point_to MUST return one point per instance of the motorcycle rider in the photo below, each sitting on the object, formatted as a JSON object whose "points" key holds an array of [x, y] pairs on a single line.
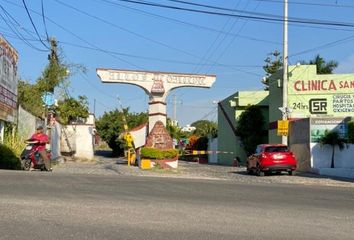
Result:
{"points": [[41, 140]]}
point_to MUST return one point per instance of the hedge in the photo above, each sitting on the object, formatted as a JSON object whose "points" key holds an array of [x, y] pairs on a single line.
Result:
{"points": [[154, 153]]}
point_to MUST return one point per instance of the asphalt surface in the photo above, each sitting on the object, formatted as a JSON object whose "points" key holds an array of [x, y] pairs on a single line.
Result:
{"points": [[38, 205]]}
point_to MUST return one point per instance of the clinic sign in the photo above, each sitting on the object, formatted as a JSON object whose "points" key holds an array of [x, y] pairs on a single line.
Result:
{"points": [[311, 94], [8, 81]]}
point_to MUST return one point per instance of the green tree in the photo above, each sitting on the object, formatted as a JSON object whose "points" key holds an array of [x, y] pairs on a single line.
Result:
{"points": [[323, 66], [205, 128], [54, 75], [333, 139], [175, 131], [250, 128], [272, 64], [111, 125], [72, 109], [29, 97]]}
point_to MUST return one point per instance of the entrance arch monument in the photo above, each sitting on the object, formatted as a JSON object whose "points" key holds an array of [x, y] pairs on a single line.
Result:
{"points": [[157, 85]]}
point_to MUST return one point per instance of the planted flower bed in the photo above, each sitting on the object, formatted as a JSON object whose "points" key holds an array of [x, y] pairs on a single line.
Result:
{"points": [[165, 158]]}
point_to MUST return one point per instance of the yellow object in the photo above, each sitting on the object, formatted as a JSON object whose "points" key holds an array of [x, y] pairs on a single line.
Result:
{"points": [[283, 127], [145, 164], [131, 156]]}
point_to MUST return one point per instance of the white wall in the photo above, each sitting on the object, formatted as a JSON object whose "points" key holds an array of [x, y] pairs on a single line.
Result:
{"points": [[55, 136], [139, 136], [322, 155], [84, 142], [27, 123]]}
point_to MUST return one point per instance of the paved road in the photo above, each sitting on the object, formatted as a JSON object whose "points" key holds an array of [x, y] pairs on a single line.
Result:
{"points": [[35, 205]]}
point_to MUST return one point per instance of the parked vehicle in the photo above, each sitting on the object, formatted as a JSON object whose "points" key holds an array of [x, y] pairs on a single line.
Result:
{"points": [[30, 156], [271, 158]]}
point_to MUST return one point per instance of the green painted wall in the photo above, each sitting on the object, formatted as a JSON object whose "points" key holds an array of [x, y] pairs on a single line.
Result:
{"points": [[234, 105]]}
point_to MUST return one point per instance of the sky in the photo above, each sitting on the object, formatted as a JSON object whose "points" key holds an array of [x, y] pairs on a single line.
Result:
{"points": [[122, 35]]}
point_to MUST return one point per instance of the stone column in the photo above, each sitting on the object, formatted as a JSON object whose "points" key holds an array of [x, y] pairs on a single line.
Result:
{"points": [[157, 112]]}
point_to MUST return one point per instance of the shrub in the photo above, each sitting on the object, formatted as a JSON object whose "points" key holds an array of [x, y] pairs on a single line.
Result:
{"points": [[8, 159], [154, 153], [351, 132]]}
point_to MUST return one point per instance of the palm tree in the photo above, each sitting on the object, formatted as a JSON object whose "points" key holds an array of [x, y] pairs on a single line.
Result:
{"points": [[323, 66], [332, 138]]}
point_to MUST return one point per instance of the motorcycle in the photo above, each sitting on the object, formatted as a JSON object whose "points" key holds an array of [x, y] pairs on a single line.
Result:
{"points": [[30, 157]]}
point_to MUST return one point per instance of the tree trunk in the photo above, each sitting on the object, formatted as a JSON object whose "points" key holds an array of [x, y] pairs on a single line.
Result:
{"points": [[332, 162]]}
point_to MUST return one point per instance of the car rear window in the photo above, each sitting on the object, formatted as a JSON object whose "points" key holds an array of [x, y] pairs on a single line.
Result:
{"points": [[276, 149]]}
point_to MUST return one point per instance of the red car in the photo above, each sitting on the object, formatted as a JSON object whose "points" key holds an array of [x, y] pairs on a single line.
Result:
{"points": [[271, 158]]}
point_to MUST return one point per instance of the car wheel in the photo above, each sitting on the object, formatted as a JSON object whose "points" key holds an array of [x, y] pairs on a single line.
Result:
{"points": [[290, 173], [259, 172]]}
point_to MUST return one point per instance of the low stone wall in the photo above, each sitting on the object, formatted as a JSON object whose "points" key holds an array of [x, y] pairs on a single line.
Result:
{"points": [[322, 155]]}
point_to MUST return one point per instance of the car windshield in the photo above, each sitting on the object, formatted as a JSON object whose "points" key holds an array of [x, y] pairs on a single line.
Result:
{"points": [[276, 149]]}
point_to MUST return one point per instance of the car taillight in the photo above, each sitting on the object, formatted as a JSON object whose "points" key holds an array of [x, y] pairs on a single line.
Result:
{"points": [[263, 155]]}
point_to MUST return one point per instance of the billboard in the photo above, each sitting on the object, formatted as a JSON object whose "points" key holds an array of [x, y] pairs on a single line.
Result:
{"points": [[8, 81], [312, 94], [319, 126]]}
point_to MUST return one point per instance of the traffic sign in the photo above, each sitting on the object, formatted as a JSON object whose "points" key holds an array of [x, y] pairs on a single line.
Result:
{"points": [[48, 99], [283, 127]]}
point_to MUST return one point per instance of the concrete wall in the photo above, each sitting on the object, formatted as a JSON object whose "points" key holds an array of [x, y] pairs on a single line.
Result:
{"points": [[68, 139], [322, 155], [55, 136], [78, 140], [299, 143], [84, 141], [27, 123]]}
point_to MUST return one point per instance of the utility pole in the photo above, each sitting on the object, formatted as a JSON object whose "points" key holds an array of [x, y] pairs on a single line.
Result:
{"points": [[285, 68], [94, 106]]}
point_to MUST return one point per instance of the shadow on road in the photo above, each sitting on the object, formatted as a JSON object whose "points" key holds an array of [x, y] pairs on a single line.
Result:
{"points": [[108, 155], [104, 153]]}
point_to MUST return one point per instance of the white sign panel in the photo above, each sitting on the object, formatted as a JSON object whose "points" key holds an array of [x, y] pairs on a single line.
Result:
{"points": [[158, 82]]}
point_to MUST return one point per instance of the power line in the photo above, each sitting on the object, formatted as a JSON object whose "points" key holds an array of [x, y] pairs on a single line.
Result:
{"points": [[124, 29], [232, 41], [11, 26], [257, 17], [327, 45], [190, 24], [138, 56], [33, 25], [199, 67], [308, 4], [73, 34], [138, 35], [44, 22]]}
